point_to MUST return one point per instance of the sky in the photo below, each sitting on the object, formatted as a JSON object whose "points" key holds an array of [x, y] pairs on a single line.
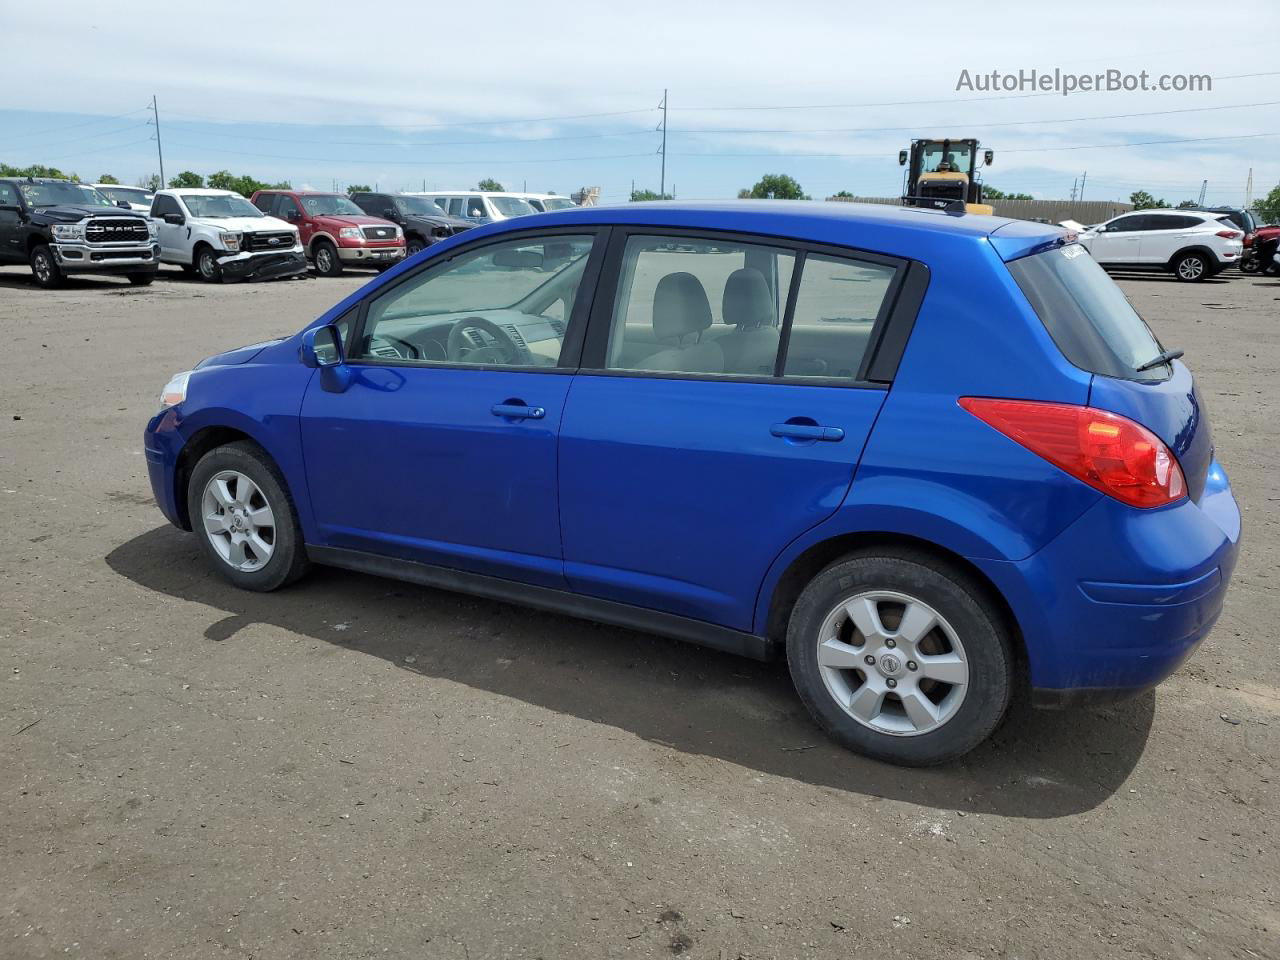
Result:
{"points": [[554, 96]]}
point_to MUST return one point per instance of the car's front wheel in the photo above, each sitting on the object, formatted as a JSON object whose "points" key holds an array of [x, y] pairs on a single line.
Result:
{"points": [[44, 268], [241, 510], [142, 279], [1192, 267], [414, 246], [328, 263], [207, 265], [900, 657]]}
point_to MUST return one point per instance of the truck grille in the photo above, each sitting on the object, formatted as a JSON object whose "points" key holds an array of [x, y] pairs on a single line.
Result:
{"points": [[116, 230], [379, 233], [269, 240]]}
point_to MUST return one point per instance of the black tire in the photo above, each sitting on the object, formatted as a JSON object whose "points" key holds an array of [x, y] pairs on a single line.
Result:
{"points": [[44, 268], [1193, 267], [288, 559], [414, 245], [142, 279], [325, 257], [1250, 265], [966, 609], [206, 265]]}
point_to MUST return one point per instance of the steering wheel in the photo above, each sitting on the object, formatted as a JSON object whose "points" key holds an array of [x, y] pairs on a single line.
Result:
{"points": [[501, 348]]}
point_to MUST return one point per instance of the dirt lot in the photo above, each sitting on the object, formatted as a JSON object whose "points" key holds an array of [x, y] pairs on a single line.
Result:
{"points": [[358, 768]]}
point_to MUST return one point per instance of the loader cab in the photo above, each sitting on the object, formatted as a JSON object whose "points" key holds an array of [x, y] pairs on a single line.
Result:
{"points": [[940, 172]]}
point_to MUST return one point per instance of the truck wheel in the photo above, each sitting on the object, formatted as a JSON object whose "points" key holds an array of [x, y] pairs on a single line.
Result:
{"points": [[141, 279], [1191, 267], [45, 268], [207, 266], [327, 261], [900, 657], [414, 245]]}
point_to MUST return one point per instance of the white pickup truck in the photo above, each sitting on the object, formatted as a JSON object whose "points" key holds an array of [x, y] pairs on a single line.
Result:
{"points": [[220, 235]]}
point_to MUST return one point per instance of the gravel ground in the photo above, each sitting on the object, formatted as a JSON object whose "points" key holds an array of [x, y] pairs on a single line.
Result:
{"points": [[359, 768]]}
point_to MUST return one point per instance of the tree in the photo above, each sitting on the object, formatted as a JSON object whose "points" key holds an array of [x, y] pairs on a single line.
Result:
{"points": [[775, 186], [221, 180], [187, 179], [491, 186], [639, 195], [358, 188], [35, 170], [1268, 210], [992, 193], [843, 194], [152, 182], [1142, 200], [107, 178]]}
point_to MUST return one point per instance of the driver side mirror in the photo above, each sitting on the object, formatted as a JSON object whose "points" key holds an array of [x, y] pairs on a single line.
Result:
{"points": [[392, 214], [902, 158], [176, 219], [124, 204], [321, 347]]}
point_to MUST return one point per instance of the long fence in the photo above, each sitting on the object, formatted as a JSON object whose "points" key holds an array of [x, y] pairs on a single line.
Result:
{"points": [[1046, 211]]}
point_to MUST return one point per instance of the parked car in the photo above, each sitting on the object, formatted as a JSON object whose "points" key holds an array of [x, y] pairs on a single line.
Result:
{"points": [[60, 227], [1258, 249], [219, 235], [334, 231], [478, 206], [421, 219], [546, 202], [1190, 244], [928, 457], [137, 199]]}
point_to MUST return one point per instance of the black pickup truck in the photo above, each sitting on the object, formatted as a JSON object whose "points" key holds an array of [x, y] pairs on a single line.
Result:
{"points": [[59, 227]]}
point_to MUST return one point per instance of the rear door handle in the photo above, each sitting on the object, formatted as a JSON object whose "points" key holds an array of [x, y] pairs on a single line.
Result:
{"points": [[518, 411], [807, 431]]}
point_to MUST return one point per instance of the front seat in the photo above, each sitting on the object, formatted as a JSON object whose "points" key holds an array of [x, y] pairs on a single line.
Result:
{"points": [[681, 312], [748, 303]]}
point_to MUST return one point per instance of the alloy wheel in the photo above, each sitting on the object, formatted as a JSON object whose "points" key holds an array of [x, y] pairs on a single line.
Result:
{"points": [[324, 260], [1191, 268], [238, 521], [892, 663], [42, 266]]}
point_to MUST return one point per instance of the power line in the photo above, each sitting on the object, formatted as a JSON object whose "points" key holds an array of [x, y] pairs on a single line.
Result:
{"points": [[415, 163], [432, 126], [73, 126]]}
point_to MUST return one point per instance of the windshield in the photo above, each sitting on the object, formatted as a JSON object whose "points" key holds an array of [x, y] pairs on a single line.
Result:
{"points": [[52, 193], [219, 206], [1087, 315], [127, 194], [329, 204], [958, 156], [557, 203], [419, 206], [512, 206]]}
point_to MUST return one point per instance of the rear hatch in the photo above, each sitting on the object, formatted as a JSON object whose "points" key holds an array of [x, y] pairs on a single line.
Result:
{"points": [[1097, 330]]}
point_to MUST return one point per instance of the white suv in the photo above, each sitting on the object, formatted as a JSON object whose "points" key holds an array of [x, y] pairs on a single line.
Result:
{"points": [[479, 206], [220, 235], [1191, 244]]}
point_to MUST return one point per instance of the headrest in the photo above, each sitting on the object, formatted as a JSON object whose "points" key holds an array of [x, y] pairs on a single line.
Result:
{"points": [[680, 306], [748, 302]]}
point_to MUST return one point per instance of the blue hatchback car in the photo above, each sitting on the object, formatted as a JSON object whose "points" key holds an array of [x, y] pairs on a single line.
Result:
{"points": [[936, 459]]}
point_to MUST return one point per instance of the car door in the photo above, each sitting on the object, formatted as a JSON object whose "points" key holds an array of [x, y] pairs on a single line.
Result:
{"points": [[1121, 242], [1160, 237], [10, 224], [721, 409], [172, 237], [441, 448]]}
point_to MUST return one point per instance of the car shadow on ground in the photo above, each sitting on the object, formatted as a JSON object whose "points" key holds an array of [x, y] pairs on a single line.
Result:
{"points": [[1037, 765]]}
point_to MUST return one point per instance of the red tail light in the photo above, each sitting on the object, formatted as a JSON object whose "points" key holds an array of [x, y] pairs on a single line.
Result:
{"points": [[1109, 452], [1228, 234]]}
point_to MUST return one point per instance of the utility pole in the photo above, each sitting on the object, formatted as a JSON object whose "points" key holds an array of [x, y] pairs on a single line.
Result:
{"points": [[1248, 190], [662, 184], [1075, 185], [1083, 179], [159, 150]]}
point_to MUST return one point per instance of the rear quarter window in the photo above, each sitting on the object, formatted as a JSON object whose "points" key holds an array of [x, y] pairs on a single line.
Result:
{"points": [[1086, 314]]}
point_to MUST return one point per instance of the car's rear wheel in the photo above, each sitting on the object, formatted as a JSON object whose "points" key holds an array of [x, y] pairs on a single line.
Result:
{"points": [[207, 265], [241, 510], [1192, 267], [44, 268], [900, 657], [327, 261]]}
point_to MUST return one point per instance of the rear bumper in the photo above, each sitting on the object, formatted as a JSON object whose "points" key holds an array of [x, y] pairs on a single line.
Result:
{"points": [[263, 266], [1122, 597]]}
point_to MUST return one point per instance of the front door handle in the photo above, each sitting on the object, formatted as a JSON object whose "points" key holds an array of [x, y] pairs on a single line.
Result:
{"points": [[807, 431], [518, 411]]}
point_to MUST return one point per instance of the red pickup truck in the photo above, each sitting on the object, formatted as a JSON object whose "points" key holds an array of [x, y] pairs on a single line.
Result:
{"points": [[335, 232]]}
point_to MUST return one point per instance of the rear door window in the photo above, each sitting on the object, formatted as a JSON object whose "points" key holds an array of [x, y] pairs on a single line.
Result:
{"points": [[1087, 315]]}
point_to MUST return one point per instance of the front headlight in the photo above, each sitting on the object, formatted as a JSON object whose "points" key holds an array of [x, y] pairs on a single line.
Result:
{"points": [[350, 233], [175, 391], [231, 241], [151, 228], [68, 231], [399, 234]]}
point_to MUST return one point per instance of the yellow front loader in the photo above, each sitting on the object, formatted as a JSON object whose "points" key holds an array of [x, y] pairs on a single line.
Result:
{"points": [[942, 173]]}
